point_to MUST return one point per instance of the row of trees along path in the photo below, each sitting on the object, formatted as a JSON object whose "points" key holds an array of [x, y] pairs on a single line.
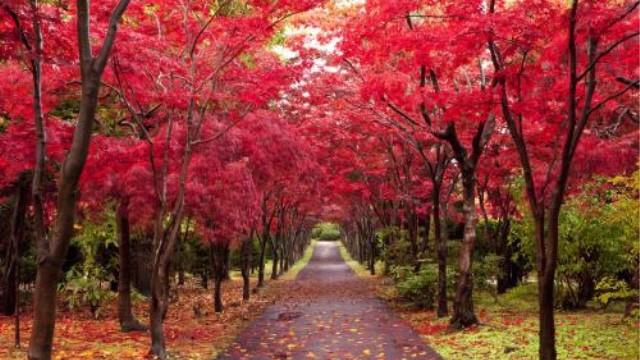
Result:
{"points": [[180, 117]]}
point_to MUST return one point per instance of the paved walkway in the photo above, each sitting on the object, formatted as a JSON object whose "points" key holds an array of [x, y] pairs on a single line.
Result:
{"points": [[329, 313]]}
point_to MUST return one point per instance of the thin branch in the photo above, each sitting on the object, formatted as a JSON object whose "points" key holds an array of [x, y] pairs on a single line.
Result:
{"points": [[101, 60], [635, 84], [605, 52]]}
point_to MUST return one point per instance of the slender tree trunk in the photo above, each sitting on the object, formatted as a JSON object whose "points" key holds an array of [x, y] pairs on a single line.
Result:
{"points": [[10, 295], [635, 285], [226, 265], [218, 264], [245, 252], [546, 281], [372, 253], [12, 274], [463, 313], [441, 250], [507, 277], [275, 258], [427, 230], [158, 306], [412, 227], [16, 312], [128, 322], [263, 253]]}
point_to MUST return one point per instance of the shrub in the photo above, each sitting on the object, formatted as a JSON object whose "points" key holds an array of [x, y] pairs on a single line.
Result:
{"points": [[598, 237], [330, 234], [84, 289], [326, 231], [398, 253], [420, 289]]}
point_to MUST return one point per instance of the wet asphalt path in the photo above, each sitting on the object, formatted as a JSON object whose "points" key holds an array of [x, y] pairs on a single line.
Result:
{"points": [[328, 313]]}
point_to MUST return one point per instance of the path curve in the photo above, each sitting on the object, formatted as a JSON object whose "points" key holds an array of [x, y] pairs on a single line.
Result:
{"points": [[328, 313]]}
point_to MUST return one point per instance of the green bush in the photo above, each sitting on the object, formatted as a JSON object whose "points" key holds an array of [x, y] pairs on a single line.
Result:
{"points": [[398, 253], [330, 234], [611, 289], [84, 289], [326, 231], [598, 237], [420, 289]]}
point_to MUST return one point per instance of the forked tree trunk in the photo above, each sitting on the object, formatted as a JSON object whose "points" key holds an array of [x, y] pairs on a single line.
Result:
{"points": [[128, 322], [51, 255]]}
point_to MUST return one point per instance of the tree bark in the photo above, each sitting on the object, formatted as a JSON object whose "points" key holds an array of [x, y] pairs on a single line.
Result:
{"points": [[442, 251], [546, 280], [17, 228], [245, 252], [463, 313], [427, 230], [128, 322], [275, 258], [509, 275], [263, 251], [218, 264], [372, 253]]}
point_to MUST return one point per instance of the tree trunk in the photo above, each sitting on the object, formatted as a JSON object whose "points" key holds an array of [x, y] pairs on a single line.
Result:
{"points": [[427, 229], [275, 258], [128, 322], [10, 279], [546, 281], [159, 303], [463, 313], [441, 246], [372, 254], [263, 253], [635, 285], [218, 261], [226, 265], [245, 252], [508, 276], [412, 227]]}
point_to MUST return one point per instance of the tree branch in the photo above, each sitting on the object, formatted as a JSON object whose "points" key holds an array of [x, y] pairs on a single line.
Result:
{"points": [[101, 59]]}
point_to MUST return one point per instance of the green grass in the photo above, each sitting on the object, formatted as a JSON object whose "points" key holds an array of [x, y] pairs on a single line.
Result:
{"points": [[509, 330], [300, 264], [356, 266], [289, 275]]}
